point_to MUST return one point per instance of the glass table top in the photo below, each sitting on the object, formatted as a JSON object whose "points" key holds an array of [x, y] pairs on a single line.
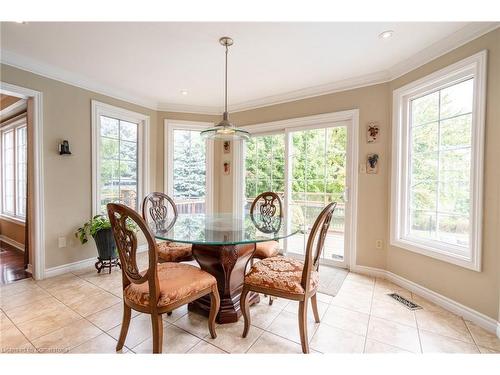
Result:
{"points": [[223, 229]]}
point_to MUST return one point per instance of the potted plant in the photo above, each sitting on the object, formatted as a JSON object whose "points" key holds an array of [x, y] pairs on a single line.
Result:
{"points": [[99, 228]]}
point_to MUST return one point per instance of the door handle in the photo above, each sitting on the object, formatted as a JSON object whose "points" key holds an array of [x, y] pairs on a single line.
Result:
{"points": [[346, 194]]}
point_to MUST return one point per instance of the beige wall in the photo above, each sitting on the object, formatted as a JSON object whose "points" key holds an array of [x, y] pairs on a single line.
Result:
{"points": [[12, 230], [373, 105], [478, 290]]}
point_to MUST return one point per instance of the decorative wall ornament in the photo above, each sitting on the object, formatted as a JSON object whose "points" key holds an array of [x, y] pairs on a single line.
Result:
{"points": [[227, 147], [372, 163], [64, 148], [227, 167], [372, 132]]}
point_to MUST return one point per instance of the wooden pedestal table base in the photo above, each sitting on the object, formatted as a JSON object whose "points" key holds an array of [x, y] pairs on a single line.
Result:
{"points": [[227, 263]]}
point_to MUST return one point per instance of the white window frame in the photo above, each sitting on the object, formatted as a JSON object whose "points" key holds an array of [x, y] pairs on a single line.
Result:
{"points": [[350, 118], [168, 158], [102, 109], [18, 122], [471, 67]]}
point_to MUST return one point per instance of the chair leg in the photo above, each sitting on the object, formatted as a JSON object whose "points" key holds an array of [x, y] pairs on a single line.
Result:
{"points": [[245, 311], [214, 310], [169, 313], [303, 326], [271, 299], [314, 304], [157, 324], [127, 314]]}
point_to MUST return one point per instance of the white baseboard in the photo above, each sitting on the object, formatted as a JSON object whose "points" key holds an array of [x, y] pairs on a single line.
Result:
{"points": [[11, 242], [75, 266], [474, 316]]}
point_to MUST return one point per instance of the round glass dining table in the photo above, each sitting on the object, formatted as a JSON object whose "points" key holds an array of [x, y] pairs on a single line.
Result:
{"points": [[223, 245]]}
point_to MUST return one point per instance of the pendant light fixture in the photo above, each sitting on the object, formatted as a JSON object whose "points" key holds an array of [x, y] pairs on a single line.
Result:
{"points": [[224, 129]]}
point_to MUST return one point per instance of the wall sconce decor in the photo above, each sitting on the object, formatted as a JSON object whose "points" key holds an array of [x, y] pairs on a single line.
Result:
{"points": [[227, 147], [372, 163], [372, 132], [64, 148], [227, 168]]}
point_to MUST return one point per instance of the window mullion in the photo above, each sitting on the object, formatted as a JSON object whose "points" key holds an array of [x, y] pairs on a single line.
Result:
{"points": [[438, 174]]}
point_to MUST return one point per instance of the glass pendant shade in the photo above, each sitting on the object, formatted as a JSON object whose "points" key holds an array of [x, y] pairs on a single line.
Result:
{"points": [[225, 130]]}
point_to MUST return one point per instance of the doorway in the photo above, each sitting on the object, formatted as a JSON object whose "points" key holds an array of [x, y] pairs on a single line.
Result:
{"points": [[14, 256], [21, 185]]}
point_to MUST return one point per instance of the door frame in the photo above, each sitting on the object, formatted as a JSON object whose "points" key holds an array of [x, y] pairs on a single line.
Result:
{"points": [[37, 263], [168, 158], [315, 122]]}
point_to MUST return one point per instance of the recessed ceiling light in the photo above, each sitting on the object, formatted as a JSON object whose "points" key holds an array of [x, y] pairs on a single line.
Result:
{"points": [[386, 34], [23, 22], [184, 92]]}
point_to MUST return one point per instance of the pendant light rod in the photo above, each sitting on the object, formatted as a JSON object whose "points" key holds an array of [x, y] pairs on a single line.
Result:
{"points": [[226, 42], [225, 84]]}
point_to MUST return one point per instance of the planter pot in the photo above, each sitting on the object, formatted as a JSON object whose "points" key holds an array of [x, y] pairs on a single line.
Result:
{"points": [[106, 246]]}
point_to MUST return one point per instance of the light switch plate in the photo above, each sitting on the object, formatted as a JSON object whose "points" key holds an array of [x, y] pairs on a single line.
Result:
{"points": [[61, 242]]}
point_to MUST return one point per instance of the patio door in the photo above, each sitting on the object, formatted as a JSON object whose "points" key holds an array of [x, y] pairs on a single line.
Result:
{"points": [[318, 175], [309, 167]]}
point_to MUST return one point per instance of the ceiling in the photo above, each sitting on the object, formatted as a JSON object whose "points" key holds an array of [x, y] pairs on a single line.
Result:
{"points": [[151, 63]]}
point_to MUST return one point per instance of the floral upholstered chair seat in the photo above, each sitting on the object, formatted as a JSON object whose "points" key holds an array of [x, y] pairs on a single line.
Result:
{"points": [[174, 251], [177, 282], [281, 273]]}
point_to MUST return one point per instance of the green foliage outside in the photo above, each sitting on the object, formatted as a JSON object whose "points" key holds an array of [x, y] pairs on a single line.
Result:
{"points": [[440, 164], [318, 167], [189, 165], [118, 165]]}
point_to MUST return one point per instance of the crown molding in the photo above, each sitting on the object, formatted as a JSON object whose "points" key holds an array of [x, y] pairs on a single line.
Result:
{"points": [[70, 78], [310, 92], [466, 34]]}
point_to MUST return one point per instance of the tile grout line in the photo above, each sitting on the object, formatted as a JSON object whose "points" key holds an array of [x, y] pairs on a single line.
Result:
{"points": [[418, 329], [370, 313], [22, 333], [471, 335]]}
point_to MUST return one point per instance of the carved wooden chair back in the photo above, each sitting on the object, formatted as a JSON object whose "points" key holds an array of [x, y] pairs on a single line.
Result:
{"points": [[316, 242], [270, 212], [123, 219], [160, 210]]}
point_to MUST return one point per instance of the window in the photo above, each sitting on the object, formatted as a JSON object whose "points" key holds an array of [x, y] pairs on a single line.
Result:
{"points": [[437, 175], [189, 172], [14, 169], [120, 166]]}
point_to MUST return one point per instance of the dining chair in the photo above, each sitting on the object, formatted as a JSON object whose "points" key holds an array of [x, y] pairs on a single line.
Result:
{"points": [[162, 287], [159, 211], [290, 278], [268, 206]]}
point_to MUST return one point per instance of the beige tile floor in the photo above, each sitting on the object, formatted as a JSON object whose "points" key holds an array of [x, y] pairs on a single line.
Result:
{"points": [[81, 312]]}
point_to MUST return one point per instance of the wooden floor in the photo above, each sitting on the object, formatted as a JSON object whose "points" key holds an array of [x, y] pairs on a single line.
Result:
{"points": [[11, 264]]}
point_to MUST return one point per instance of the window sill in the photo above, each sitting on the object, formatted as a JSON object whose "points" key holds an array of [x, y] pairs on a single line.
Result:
{"points": [[13, 219], [438, 253]]}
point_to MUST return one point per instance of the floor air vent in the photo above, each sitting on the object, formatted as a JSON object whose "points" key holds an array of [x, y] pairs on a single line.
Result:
{"points": [[409, 304]]}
